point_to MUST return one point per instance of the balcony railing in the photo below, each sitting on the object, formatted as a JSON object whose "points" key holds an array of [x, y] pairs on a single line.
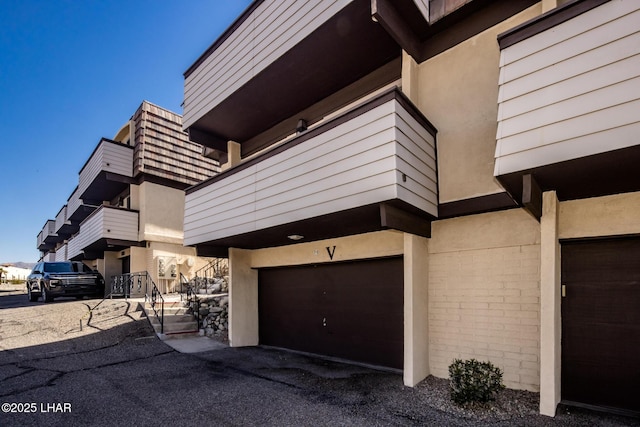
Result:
{"points": [[106, 227], [61, 253], [77, 211], [570, 92], [258, 41], [64, 227], [381, 151], [244, 83], [47, 236], [107, 172]]}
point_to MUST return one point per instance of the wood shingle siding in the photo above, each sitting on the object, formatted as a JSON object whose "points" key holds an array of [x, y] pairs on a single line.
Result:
{"points": [[164, 150]]}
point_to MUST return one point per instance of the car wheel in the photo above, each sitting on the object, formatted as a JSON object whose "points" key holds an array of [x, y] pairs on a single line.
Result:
{"points": [[45, 295], [32, 297]]}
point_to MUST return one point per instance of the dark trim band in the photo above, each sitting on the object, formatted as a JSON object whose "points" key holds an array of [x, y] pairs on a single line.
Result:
{"points": [[546, 21]]}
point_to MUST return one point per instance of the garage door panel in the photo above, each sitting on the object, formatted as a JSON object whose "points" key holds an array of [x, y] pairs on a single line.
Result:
{"points": [[349, 310]]}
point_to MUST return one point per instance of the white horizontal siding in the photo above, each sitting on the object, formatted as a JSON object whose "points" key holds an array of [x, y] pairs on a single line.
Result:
{"points": [[423, 6], [571, 91], [61, 253], [107, 223], [74, 247], [354, 164], [109, 157], [271, 30], [74, 203], [49, 228], [61, 218]]}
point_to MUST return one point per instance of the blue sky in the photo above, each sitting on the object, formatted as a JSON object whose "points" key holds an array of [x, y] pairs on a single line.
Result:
{"points": [[72, 72]]}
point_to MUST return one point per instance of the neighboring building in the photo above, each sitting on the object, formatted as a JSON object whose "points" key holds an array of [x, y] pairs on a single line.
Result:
{"points": [[11, 272], [369, 214], [126, 215]]}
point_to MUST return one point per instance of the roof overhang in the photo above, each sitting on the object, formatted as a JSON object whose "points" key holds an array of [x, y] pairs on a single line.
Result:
{"points": [[612, 172], [404, 20], [393, 214], [105, 186], [97, 249]]}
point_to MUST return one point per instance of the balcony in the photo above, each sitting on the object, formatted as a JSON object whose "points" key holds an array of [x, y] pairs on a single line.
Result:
{"points": [[63, 227], [49, 257], [61, 253], [276, 60], [569, 100], [107, 173], [47, 237], [107, 228], [77, 211], [368, 169]]}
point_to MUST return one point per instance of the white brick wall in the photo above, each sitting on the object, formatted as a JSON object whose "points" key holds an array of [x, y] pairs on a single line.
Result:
{"points": [[484, 303]]}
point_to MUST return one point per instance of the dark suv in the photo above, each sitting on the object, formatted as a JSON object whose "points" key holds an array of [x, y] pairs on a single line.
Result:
{"points": [[66, 278]]}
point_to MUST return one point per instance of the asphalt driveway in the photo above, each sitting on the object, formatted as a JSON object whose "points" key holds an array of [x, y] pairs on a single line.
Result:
{"points": [[64, 364]]}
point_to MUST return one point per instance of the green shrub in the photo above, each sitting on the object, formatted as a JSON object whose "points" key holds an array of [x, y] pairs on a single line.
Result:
{"points": [[474, 381]]}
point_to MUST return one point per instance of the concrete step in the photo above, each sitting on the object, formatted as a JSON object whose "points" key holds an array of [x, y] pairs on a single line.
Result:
{"points": [[176, 319], [174, 307], [169, 311], [171, 327]]}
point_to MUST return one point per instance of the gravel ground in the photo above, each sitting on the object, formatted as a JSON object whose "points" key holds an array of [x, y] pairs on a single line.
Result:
{"points": [[511, 407]]}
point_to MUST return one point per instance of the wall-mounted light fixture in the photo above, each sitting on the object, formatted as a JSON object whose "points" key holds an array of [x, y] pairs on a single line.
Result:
{"points": [[295, 237]]}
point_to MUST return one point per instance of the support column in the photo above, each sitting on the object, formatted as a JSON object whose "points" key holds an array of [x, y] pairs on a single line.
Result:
{"points": [[550, 321], [547, 5], [416, 309], [243, 299], [109, 266], [234, 156], [410, 77]]}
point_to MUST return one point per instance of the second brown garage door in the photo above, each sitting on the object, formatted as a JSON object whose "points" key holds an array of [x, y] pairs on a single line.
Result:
{"points": [[601, 323], [348, 310]]}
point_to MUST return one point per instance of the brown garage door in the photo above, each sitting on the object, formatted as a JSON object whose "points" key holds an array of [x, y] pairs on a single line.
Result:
{"points": [[601, 323], [348, 310]]}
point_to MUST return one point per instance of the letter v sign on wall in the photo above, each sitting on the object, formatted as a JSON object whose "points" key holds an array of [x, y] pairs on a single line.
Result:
{"points": [[331, 251]]}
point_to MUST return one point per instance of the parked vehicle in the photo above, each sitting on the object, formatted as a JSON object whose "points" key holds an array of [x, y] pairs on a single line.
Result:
{"points": [[67, 278]]}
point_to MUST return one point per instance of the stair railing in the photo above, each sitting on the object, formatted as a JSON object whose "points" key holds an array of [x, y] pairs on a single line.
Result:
{"points": [[155, 299], [184, 286], [122, 285]]}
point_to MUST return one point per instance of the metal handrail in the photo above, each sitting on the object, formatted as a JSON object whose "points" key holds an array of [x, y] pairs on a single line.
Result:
{"points": [[123, 284], [193, 300], [184, 282], [153, 299]]}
